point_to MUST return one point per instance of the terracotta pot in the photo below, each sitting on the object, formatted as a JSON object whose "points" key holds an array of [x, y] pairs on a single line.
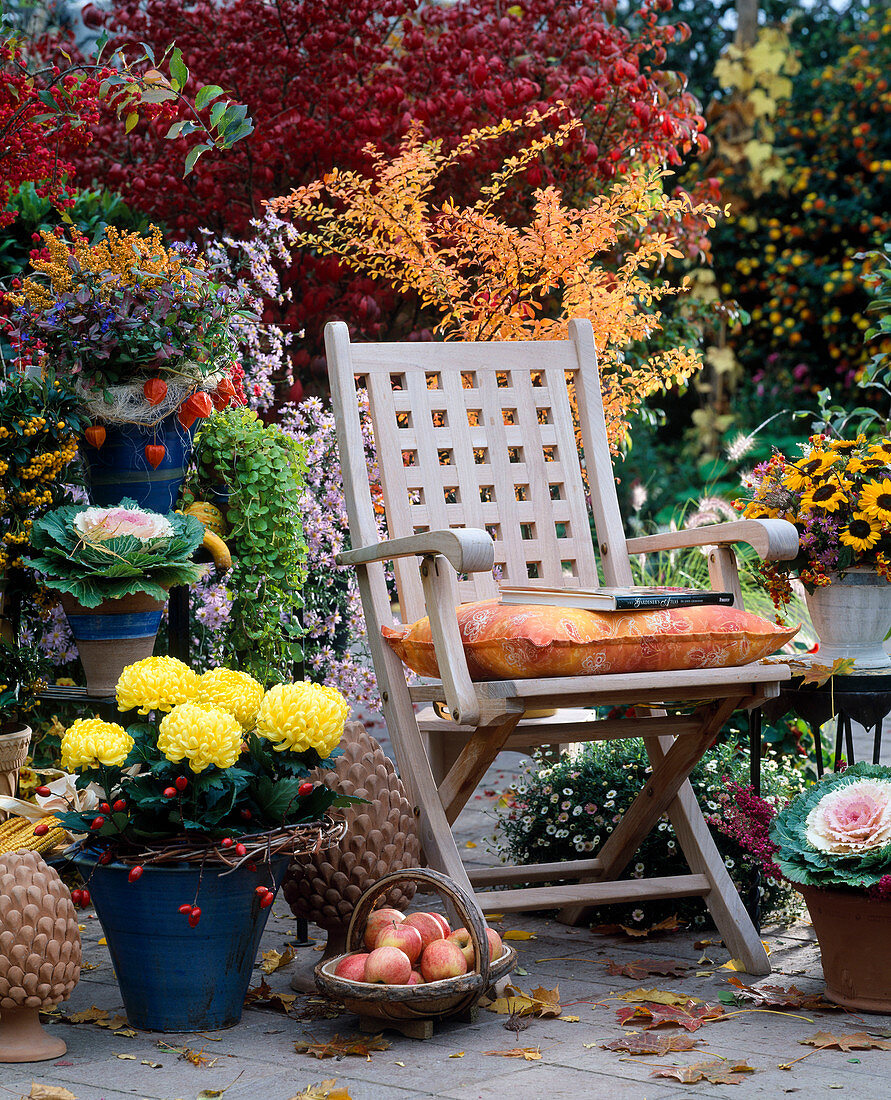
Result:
{"points": [[852, 931], [113, 635], [13, 753], [852, 617]]}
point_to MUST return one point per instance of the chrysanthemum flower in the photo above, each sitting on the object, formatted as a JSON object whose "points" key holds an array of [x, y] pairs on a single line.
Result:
{"points": [[201, 735], [301, 716], [156, 683], [862, 533], [236, 692], [875, 499], [90, 742]]}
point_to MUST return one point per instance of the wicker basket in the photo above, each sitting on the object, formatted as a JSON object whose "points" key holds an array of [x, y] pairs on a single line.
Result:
{"points": [[400, 1005]]}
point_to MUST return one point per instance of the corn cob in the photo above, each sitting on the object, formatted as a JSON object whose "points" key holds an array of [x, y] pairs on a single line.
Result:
{"points": [[17, 834]]}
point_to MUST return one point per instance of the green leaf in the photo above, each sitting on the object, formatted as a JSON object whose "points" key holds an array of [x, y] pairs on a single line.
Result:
{"points": [[178, 70], [192, 156], [206, 95]]}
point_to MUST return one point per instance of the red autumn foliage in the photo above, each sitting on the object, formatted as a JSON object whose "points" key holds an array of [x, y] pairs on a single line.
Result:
{"points": [[321, 78]]}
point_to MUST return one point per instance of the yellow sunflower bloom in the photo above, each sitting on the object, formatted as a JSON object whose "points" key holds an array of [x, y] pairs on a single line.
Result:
{"points": [[201, 735], [861, 534], [301, 716], [875, 499], [90, 742], [156, 683], [829, 496], [880, 452], [845, 446]]}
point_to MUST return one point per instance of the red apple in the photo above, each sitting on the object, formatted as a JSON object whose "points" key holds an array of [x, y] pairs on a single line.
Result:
{"points": [[404, 936], [352, 967], [415, 979], [444, 924], [442, 959], [427, 925], [388, 966], [496, 947], [461, 937], [377, 920]]}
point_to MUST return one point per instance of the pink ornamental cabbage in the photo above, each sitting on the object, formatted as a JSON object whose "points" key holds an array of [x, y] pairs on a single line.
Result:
{"points": [[851, 819], [102, 524]]}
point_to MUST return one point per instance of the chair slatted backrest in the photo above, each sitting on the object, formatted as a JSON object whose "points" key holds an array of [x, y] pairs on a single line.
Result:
{"points": [[482, 435]]}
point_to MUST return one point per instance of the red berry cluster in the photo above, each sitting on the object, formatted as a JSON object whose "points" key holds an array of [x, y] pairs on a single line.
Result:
{"points": [[192, 912], [266, 896], [81, 898]]}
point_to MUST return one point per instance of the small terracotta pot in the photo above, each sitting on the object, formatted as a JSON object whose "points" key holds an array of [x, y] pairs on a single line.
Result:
{"points": [[113, 635], [852, 931]]}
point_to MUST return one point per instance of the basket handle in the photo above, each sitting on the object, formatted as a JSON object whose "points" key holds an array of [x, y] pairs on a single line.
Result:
{"points": [[465, 905]]}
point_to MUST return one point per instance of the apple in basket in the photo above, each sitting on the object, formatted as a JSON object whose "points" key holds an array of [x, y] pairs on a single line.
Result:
{"points": [[443, 959], [415, 978], [461, 936], [388, 966], [404, 936], [443, 922], [352, 967], [376, 922], [427, 925]]}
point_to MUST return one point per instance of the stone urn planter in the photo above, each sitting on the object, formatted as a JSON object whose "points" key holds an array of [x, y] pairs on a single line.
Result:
{"points": [[852, 931], [852, 617], [13, 753]]}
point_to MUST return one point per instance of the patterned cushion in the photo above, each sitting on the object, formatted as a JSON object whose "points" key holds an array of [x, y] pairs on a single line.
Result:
{"points": [[516, 641]]}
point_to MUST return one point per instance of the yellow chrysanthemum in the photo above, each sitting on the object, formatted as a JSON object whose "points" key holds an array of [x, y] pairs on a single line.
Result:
{"points": [[201, 735], [875, 499], [301, 716], [233, 691], [156, 683], [90, 741]]}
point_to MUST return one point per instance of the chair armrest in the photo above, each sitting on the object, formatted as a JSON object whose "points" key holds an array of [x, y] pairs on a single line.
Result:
{"points": [[772, 539], [467, 549]]}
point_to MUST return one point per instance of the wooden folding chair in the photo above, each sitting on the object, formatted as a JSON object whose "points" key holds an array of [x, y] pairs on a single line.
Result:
{"points": [[479, 465]]}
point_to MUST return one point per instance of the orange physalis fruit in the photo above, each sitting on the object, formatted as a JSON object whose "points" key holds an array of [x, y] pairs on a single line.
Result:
{"points": [[95, 435], [199, 404], [155, 453], [155, 390], [185, 416]]}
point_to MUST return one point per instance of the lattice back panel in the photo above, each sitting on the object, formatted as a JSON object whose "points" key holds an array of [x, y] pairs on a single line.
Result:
{"points": [[481, 435]]}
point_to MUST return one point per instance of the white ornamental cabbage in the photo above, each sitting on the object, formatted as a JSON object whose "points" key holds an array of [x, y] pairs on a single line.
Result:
{"points": [[851, 819]]}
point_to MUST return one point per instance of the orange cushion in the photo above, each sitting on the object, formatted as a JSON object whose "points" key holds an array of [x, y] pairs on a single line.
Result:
{"points": [[516, 641]]}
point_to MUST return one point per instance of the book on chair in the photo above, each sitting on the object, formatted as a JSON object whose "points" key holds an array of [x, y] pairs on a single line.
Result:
{"points": [[638, 598]]}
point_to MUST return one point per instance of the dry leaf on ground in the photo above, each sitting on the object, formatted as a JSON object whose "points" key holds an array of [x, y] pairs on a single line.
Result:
{"points": [[670, 924], [262, 996], [658, 997], [653, 1015], [856, 1040], [529, 1054], [517, 934], [324, 1090], [540, 1002], [275, 960], [49, 1092], [359, 1045], [717, 1071], [196, 1057], [643, 968], [651, 1044], [775, 996]]}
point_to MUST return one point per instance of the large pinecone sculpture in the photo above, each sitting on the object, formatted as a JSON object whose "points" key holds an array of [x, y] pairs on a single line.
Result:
{"points": [[39, 954], [381, 837]]}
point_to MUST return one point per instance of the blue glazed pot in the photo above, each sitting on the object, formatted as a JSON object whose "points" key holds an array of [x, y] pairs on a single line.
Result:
{"points": [[174, 977], [119, 468]]}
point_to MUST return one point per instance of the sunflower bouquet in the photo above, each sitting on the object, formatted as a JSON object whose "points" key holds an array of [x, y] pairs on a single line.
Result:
{"points": [[217, 766], [838, 495]]}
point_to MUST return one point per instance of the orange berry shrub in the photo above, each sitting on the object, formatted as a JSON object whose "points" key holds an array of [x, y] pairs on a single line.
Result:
{"points": [[486, 278]]}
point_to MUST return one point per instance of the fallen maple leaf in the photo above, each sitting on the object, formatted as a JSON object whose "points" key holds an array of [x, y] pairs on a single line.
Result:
{"points": [[529, 1054], [643, 968], [651, 1044], [275, 960], [655, 1015], [324, 1090], [856, 1040], [775, 996], [358, 1045], [718, 1071], [658, 997], [196, 1057], [49, 1092], [818, 674], [263, 995], [540, 1002]]}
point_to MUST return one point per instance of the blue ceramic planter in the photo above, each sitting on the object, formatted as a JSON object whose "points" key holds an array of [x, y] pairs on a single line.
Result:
{"points": [[119, 468], [173, 977]]}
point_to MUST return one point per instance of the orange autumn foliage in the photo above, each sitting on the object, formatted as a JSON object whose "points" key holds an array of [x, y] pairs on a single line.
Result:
{"points": [[488, 279]]}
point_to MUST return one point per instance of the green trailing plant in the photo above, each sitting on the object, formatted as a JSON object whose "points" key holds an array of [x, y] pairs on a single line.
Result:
{"points": [[97, 554], [837, 833], [259, 469], [567, 809]]}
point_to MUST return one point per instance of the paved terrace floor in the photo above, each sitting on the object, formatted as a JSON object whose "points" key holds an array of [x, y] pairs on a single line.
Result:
{"points": [[257, 1060]]}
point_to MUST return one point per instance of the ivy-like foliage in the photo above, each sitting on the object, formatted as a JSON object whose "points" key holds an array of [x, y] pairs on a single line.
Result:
{"points": [[800, 861]]}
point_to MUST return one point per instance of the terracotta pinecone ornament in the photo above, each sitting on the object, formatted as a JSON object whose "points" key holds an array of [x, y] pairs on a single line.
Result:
{"points": [[381, 837], [39, 954]]}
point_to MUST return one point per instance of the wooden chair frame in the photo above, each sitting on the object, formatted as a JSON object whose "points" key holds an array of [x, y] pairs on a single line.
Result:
{"points": [[478, 465]]}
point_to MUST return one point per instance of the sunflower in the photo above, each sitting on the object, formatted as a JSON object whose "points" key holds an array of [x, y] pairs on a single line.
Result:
{"points": [[862, 533], [880, 452], [800, 475], [875, 499], [845, 446], [829, 496]]}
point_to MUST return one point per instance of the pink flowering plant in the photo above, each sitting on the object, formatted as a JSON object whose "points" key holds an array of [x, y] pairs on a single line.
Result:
{"points": [[837, 833]]}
